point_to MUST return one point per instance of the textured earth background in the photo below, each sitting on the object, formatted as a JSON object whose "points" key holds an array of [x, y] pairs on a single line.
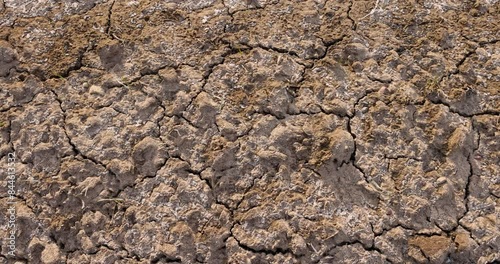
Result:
{"points": [[256, 131]]}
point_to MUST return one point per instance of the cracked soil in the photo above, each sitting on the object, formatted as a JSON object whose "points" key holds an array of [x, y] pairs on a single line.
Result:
{"points": [[256, 131]]}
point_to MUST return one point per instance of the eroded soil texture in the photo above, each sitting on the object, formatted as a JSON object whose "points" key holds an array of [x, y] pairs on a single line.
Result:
{"points": [[256, 131]]}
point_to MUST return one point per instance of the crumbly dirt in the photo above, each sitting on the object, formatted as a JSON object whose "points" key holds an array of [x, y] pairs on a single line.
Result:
{"points": [[256, 131]]}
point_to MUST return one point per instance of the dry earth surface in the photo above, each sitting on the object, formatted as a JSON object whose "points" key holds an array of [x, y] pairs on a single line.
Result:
{"points": [[256, 131]]}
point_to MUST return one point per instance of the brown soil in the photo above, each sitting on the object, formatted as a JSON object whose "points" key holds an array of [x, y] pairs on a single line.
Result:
{"points": [[257, 131]]}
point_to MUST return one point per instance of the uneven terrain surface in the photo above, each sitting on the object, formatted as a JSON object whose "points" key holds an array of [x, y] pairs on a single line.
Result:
{"points": [[256, 131]]}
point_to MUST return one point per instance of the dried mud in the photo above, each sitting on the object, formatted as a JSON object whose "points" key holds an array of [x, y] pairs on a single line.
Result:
{"points": [[262, 131]]}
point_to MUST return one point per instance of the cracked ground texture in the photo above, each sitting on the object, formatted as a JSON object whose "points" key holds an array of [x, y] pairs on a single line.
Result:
{"points": [[257, 131]]}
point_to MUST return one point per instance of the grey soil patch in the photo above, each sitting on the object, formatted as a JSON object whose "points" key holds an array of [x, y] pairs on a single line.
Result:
{"points": [[264, 131]]}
